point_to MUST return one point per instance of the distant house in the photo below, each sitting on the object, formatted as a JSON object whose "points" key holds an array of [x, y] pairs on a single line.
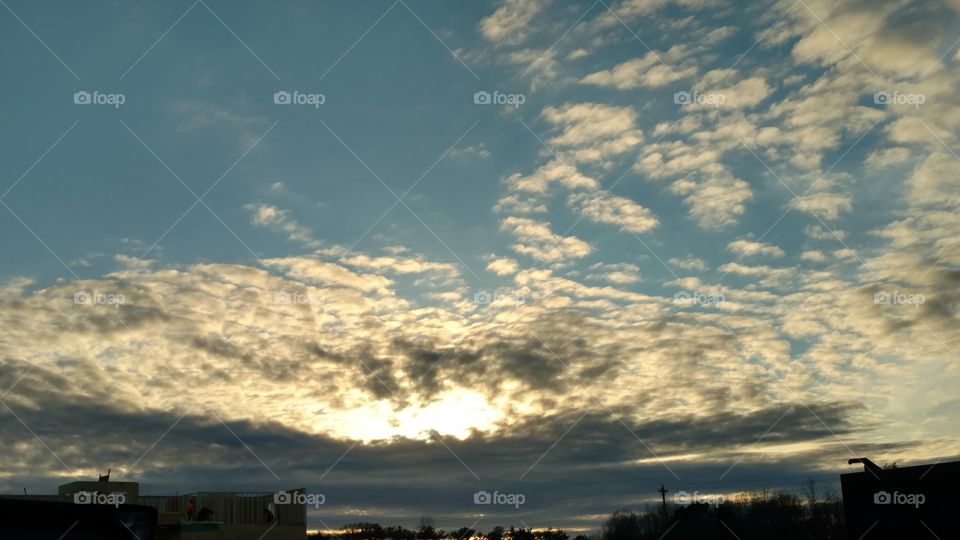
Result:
{"points": [[216, 515], [902, 503]]}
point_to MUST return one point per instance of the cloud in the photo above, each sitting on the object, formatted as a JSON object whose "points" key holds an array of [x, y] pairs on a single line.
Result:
{"points": [[886, 157], [827, 206], [817, 232], [933, 182], [618, 274], [538, 241], [741, 95], [196, 115], [328, 274], [503, 266], [630, 10], [539, 182], [650, 70], [716, 203], [749, 248], [511, 24], [601, 207], [133, 263], [868, 32], [813, 256], [689, 263], [265, 215], [517, 204], [405, 265], [593, 132], [477, 150], [771, 277]]}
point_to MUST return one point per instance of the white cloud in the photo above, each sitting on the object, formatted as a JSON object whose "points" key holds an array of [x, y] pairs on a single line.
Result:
{"points": [[593, 132], [716, 203], [536, 240], [934, 182], [477, 150], [650, 70], [510, 24], [741, 95], [519, 204], [813, 256], [503, 266], [555, 171], [329, 274], [629, 10], [689, 263], [883, 158], [396, 265], [265, 215], [616, 273], [133, 263], [817, 232], [826, 206], [601, 207], [749, 248]]}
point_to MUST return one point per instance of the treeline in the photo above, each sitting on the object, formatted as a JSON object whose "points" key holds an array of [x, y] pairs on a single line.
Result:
{"points": [[759, 516], [764, 515], [427, 531]]}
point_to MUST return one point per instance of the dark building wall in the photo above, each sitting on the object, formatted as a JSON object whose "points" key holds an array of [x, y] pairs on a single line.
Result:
{"points": [[902, 503]]}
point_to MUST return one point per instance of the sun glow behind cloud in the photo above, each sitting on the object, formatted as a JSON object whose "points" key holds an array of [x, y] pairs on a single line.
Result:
{"points": [[453, 414]]}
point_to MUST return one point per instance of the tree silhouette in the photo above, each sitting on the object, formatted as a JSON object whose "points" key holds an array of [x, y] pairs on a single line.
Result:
{"points": [[813, 513]]}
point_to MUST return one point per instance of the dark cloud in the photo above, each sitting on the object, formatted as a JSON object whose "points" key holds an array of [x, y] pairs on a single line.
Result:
{"points": [[597, 465]]}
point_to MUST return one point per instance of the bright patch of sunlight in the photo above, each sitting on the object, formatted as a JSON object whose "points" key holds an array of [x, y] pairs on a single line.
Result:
{"points": [[453, 414]]}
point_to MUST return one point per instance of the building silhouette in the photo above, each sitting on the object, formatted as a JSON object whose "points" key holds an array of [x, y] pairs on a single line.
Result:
{"points": [[901, 503], [216, 514]]}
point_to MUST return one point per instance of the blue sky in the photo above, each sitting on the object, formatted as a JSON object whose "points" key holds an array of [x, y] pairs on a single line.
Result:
{"points": [[715, 213]]}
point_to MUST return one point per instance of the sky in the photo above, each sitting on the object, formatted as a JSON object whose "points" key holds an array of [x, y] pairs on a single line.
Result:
{"points": [[405, 253]]}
